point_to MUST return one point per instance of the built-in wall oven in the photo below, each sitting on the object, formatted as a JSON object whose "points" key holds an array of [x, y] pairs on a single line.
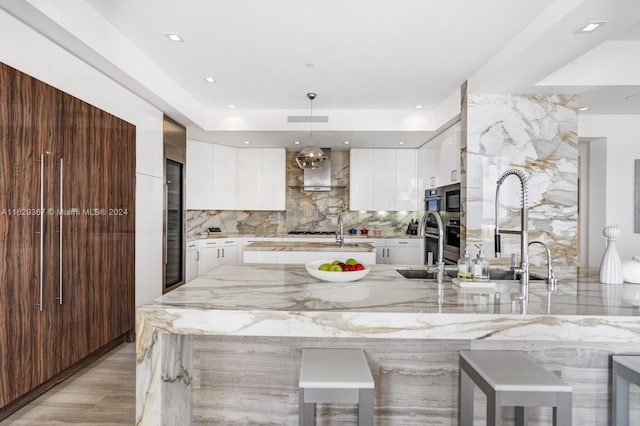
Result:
{"points": [[433, 200], [445, 201]]}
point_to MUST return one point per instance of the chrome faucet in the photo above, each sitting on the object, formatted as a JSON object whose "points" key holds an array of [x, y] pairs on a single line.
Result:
{"points": [[340, 232], [552, 281], [523, 270], [421, 231]]}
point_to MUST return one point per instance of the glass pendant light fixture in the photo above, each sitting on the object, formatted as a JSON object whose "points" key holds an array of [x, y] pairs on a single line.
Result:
{"points": [[311, 157]]}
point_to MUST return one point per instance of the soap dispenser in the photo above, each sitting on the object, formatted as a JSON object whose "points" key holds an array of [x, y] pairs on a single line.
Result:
{"points": [[465, 272], [480, 266]]}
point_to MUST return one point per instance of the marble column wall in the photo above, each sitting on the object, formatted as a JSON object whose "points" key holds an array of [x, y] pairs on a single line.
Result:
{"points": [[538, 135], [308, 211]]}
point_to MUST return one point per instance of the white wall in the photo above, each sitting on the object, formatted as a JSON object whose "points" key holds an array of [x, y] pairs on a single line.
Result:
{"points": [[30, 52], [621, 149]]}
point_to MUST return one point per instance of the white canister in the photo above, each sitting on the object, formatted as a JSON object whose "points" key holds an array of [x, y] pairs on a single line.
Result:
{"points": [[631, 270]]}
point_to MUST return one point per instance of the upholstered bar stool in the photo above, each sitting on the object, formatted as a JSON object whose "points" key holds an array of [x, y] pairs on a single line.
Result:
{"points": [[625, 370], [510, 378], [335, 376]]}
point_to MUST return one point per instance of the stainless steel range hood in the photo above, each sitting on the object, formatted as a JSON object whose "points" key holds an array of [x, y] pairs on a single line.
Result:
{"points": [[319, 180]]}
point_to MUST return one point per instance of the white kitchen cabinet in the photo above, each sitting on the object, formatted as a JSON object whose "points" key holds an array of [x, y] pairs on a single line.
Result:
{"points": [[192, 260], [404, 251], [383, 179], [401, 251], [224, 177], [216, 252], [428, 170], [274, 179], [361, 179], [261, 179], [199, 173], [439, 160], [380, 245], [449, 164], [406, 184], [249, 173]]}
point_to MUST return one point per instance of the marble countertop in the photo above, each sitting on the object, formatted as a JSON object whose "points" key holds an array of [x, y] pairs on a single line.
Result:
{"points": [[308, 246], [284, 300], [346, 235]]}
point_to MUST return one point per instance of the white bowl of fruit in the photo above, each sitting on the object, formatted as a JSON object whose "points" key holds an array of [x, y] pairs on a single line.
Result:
{"points": [[337, 271]]}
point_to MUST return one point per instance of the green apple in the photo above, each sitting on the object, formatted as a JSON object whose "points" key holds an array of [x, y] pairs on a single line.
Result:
{"points": [[351, 261], [336, 268], [324, 267], [335, 262]]}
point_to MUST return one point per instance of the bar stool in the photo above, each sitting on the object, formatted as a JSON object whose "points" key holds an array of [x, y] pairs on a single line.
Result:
{"points": [[335, 375], [625, 369], [510, 378]]}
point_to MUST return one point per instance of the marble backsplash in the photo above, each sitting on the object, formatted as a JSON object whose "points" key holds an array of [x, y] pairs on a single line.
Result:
{"points": [[305, 211], [538, 135]]}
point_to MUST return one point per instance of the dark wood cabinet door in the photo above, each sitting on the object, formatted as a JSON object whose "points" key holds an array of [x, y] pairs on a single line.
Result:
{"points": [[22, 298], [98, 235]]}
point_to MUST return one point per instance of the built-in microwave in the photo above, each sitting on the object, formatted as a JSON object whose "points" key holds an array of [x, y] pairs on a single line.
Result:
{"points": [[452, 199]]}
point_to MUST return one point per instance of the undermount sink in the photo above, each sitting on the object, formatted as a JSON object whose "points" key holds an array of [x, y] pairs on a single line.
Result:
{"points": [[495, 275], [419, 274]]}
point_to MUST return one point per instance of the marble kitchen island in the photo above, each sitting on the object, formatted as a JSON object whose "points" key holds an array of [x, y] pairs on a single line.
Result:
{"points": [[225, 348], [307, 251]]}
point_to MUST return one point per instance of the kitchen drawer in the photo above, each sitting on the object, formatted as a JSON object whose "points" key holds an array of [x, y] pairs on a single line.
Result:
{"points": [[403, 242]]}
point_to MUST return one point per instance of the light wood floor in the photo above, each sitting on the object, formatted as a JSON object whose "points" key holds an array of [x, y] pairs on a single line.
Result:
{"points": [[101, 394]]}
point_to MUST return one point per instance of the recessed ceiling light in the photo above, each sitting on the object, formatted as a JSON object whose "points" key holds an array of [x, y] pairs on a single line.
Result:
{"points": [[210, 79], [232, 106], [347, 142], [246, 142], [174, 37], [583, 109], [418, 106], [296, 142], [592, 26], [400, 143]]}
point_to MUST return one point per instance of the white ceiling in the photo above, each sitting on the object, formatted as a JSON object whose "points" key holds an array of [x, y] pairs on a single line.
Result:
{"points": [[370, 61]]}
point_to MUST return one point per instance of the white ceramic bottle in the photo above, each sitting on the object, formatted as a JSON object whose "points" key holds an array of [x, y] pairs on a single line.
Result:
{"points": [[611, 265]]}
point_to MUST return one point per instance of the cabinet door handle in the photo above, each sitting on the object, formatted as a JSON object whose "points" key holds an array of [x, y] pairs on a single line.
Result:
{"points": [[383, 252], [218, 253], [403, 242], [388, 253], [61, 215], [197, 256], [222, 251], [39, 304]]}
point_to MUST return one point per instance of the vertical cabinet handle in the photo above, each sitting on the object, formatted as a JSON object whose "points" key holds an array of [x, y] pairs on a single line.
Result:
{"points": [[39, 304], [198, 256], [218, 253], [61, 215], [223, 252]]}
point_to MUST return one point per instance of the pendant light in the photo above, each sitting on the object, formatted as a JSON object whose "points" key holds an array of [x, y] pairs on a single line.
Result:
{"points": [[311, 157]]}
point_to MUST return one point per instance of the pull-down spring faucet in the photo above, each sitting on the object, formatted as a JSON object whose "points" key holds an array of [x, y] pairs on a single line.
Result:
{"points": [[523, 232]]}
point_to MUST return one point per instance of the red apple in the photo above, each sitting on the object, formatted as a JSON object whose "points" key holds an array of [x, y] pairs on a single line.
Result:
{"points": [[359, 266]]}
